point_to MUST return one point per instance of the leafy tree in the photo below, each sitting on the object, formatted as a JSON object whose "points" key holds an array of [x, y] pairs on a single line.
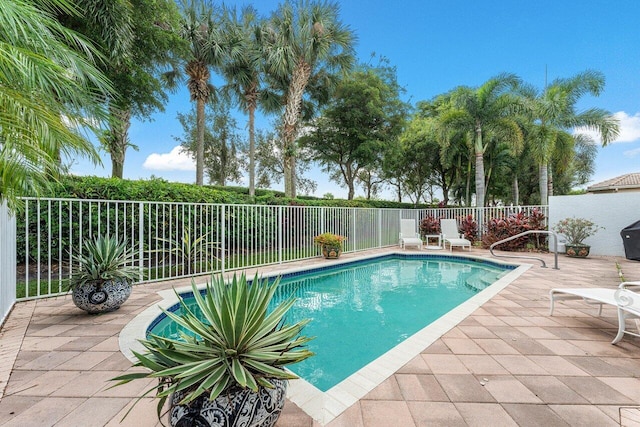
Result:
{"points": [[43, 104], [364, 115], [553, 113], [270, 165], [207, 46], [221, 143], [137, 76], [305, 44], [487, 108], [245, 75]]}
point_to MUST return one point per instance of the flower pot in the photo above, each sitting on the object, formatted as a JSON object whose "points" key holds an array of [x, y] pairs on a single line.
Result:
{"points": [[331, 251], [241, 407], [95, 298], [577, 251]]}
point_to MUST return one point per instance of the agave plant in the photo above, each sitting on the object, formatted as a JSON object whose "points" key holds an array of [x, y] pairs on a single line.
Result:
{"points": [[103, 259], [233, 342]]}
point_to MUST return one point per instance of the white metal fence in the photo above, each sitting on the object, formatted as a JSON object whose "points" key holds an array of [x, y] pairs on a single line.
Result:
{"points": [[7, 261], [175, 240]]}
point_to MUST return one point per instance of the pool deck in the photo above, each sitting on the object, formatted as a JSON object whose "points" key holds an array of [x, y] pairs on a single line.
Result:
{"points": [[506, 364]]}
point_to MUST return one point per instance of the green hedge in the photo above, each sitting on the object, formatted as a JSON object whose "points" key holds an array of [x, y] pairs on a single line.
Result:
{"points": [[159, 190]]}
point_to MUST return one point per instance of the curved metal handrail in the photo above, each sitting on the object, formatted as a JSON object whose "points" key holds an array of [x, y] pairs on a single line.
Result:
{"points": [[524, 233]]}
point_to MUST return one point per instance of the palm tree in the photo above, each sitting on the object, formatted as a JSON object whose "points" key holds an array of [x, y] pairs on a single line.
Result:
{"points": [[207, 47], [48, 92], [303, 41], [553, 112], [481, 110], [245, 73]]}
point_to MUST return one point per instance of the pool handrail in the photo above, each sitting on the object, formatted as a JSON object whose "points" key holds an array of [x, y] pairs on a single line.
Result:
{"points": [[524, 233]]}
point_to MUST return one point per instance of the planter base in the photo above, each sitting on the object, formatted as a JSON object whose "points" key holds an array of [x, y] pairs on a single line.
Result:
{"points": [[577, 251], [331, 252], [235, 409], [96, 299]]}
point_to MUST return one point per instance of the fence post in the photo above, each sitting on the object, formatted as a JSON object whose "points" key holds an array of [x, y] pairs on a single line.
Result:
{"points": [[8, 260], [140, 239], [379, 227], [223, 238], [280, 235]]}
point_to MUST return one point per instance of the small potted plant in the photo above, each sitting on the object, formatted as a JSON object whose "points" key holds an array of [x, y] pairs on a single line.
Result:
{"points": [[331, 244], [576, 230], [103, 275], [227, 366]]}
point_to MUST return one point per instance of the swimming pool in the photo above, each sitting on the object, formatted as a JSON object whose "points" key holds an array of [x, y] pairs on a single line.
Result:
{"points": [[325, 406], [361, 310]]}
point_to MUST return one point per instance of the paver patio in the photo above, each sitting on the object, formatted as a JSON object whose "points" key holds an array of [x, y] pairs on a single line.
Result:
{"points": [[506, 364]]}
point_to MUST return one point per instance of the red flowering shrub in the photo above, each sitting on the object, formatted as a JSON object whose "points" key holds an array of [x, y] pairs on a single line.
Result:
{"points": [[469, 228], [502, 228], [429, 225]]}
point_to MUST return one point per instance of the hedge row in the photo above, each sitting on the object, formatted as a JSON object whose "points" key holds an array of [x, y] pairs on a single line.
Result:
{"points": [[159, 190]]}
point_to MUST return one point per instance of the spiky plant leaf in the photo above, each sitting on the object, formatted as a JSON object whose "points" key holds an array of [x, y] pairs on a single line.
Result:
{"points": [[236, 342]]}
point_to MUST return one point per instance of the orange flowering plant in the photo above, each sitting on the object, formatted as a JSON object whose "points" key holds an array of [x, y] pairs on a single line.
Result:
{"points": [[329, 239]]}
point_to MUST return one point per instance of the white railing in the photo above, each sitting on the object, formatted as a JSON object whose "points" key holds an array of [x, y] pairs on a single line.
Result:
{"points": [[7, 261], [175, 240]]}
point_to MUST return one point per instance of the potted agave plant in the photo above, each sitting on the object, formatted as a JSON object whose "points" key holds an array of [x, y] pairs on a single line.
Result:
{"points": [[576, 230], [226, 368], [331, 244], [103, 276]]}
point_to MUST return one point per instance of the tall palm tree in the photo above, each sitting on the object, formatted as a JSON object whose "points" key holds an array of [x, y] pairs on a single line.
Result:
{"points": [[303, 41], [48, 92], [207, 46], [484, 109], [245, 74], [553, 112]]}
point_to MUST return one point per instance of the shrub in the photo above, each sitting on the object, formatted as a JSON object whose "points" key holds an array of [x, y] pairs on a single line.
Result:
{"points": [[469, 228], [429, 225], [502, 228]]}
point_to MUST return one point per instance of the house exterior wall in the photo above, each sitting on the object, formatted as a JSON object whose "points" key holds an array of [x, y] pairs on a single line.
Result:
{"points": [[613, 211]]}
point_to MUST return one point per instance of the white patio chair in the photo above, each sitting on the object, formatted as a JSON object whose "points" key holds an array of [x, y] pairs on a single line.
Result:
{"points": [[408, 234], [628, 307], [626, 301], [451, 235]]}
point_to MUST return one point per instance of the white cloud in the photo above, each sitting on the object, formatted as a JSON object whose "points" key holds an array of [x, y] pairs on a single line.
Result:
{"points": [[632, 153], [629, 128], [176, 160]]}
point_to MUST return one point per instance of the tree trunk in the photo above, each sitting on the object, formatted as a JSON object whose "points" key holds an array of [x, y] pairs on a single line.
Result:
{"points": [[200, 141], [479, 153], [515, 191], [118, 141], [543, 184], [292, 111], [550, 184], [251, 96]]}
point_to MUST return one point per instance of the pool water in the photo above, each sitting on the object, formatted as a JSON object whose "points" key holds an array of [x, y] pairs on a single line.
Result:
{"points": [[358, 312]]}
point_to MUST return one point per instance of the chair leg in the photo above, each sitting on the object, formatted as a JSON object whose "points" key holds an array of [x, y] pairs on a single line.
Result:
{"points": [[553, 300], [621, 326]]}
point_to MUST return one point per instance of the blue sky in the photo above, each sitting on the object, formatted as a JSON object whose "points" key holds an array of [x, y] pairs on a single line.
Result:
{"points": [[437, 45]]}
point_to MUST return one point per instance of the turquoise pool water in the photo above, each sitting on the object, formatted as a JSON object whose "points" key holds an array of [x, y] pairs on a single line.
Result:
{"points": [[361, 310]]}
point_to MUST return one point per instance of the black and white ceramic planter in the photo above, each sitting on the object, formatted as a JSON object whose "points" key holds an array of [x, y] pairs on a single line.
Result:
{"points": [[239, 408], [95, 298]]}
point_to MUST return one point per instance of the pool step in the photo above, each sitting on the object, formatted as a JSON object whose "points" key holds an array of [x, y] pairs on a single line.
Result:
{"points": [[481, 280]]}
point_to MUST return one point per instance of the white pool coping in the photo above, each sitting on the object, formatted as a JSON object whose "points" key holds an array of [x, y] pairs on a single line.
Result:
{"points": [[323, 407]]}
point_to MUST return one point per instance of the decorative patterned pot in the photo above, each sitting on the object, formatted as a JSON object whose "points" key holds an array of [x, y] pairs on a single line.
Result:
{"points": [[577, 251], [331, 251], [96, 299], [238, 408]]}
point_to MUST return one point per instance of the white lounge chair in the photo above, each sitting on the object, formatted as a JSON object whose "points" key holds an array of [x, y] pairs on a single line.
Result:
{"points": [[626, 301], [451, 235], [408, 234]]}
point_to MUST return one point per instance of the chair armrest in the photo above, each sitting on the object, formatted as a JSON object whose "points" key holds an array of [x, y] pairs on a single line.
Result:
{"points": [[625, 285]]}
